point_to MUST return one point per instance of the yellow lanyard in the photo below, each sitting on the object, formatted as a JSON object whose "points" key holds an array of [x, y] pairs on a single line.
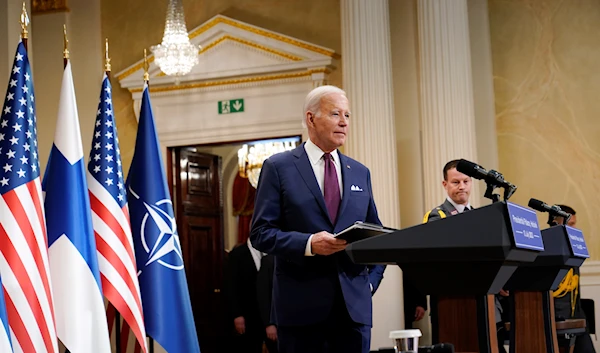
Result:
{"points": [[569, 284]]}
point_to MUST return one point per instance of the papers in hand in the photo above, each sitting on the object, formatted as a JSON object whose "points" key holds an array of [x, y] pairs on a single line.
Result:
{"points": [[359, 231]]}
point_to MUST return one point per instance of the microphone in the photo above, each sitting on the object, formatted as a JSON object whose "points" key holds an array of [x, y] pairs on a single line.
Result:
{"points": [[471, 169], [553, 210], [437, 348], [491, 177]]}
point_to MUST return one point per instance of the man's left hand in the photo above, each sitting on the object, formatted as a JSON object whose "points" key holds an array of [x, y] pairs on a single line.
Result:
{"points": [[272, 332], [419, 313]]}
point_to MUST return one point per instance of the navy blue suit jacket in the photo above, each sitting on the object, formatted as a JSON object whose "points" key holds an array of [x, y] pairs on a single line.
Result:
{"points": [[289, 208]]}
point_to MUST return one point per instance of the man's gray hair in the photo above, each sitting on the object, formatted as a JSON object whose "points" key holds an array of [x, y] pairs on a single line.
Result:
{"points": [[312, 102]]}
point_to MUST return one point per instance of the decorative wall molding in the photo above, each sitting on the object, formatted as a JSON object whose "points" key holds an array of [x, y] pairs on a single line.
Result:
{"points": [[48, 6], [261, 32], [233, 49], [271, 72], [590, 288], [590, 273]]}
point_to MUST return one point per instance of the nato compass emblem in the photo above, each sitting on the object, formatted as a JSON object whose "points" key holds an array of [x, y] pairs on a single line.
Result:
{"points": [[158, 232]]}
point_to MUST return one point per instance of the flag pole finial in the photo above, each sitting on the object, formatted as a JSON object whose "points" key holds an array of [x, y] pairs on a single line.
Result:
{"points": [[146, 66], [24, 22], [65, 43], [107, 66]]}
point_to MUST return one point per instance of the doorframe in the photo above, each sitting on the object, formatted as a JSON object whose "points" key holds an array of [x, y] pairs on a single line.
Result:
{"points": [[227, 179]]}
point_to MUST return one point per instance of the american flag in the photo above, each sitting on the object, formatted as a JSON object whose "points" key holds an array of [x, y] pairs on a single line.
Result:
{"points": [[129, 343], [5, 344], [108, 199], [23, 243]]}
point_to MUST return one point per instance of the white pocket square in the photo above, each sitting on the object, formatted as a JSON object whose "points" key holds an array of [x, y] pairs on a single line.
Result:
{"points": [[355, 188]]}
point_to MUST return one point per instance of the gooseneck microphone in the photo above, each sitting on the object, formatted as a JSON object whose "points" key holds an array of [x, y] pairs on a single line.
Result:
{"points": [[492, 178], [478, 172], [554, 210]]}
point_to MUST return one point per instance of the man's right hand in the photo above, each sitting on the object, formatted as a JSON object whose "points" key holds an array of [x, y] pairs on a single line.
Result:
{"points": [[240, 325], [324, 243]]}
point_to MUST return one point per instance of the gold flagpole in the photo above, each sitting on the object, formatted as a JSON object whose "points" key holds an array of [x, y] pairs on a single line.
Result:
{"points": [[65, 46], [107, 66], [146, 66], [24, 23]]}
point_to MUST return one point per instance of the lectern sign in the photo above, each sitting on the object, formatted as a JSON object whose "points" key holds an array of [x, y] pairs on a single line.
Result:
{"points": [[577, 242], [525, 228]]}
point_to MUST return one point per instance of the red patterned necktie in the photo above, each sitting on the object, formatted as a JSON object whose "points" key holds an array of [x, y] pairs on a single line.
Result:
{"points": [[331, 188]]}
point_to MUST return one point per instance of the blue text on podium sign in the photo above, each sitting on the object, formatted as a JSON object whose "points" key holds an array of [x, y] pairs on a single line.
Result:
{"points": [[577, 242], [525, 228]]}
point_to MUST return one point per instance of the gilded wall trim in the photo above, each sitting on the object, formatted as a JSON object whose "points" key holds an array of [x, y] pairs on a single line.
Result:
{"points": [[253, 45], [244, 42], [135, 68], [263, 33], [230, 81], [48, 6]]}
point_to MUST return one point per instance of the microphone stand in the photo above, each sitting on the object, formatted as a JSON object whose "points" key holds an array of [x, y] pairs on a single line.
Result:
{"points": [[489, 193], [498, 181], [551, 221]]}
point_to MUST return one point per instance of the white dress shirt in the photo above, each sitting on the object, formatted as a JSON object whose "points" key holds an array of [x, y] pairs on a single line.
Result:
{"points": [[459, 208], [256, 255], [315, 157]]}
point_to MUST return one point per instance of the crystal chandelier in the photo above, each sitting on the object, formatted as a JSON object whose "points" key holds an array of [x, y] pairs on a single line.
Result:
{"points": [[250, 159], [175, 56]]}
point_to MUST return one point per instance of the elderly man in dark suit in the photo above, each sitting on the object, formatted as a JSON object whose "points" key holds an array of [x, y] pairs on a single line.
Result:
{"points": [[321, 299]]}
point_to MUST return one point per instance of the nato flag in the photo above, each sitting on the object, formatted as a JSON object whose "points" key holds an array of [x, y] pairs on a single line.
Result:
{"points": [[165, 297]]}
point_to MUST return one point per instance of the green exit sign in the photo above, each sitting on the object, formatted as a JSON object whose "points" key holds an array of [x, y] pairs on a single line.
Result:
{"points": [[231, 106]]}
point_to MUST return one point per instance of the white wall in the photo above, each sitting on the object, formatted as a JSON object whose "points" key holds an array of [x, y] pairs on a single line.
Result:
{"points": [[590, 288]]}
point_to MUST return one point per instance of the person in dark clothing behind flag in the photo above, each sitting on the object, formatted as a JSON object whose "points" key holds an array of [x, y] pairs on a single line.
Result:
{"points": [[249, 279]]}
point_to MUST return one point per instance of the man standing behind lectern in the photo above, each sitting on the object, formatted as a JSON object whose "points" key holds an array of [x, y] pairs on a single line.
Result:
{"points": [[322, 300], [458, 189]]}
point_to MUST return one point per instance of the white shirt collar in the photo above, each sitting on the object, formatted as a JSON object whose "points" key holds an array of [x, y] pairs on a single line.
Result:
{"points": [[315, 153], [459, 208]]}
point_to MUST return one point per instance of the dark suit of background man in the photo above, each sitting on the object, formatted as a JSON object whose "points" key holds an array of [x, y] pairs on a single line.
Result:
{"points": [[249, 279], [458, 188], [322, 300], [567, 298]]}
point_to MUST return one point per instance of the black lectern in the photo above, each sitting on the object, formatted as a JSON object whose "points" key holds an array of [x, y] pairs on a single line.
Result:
{"points": [[459, 260], [533, 328]]}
